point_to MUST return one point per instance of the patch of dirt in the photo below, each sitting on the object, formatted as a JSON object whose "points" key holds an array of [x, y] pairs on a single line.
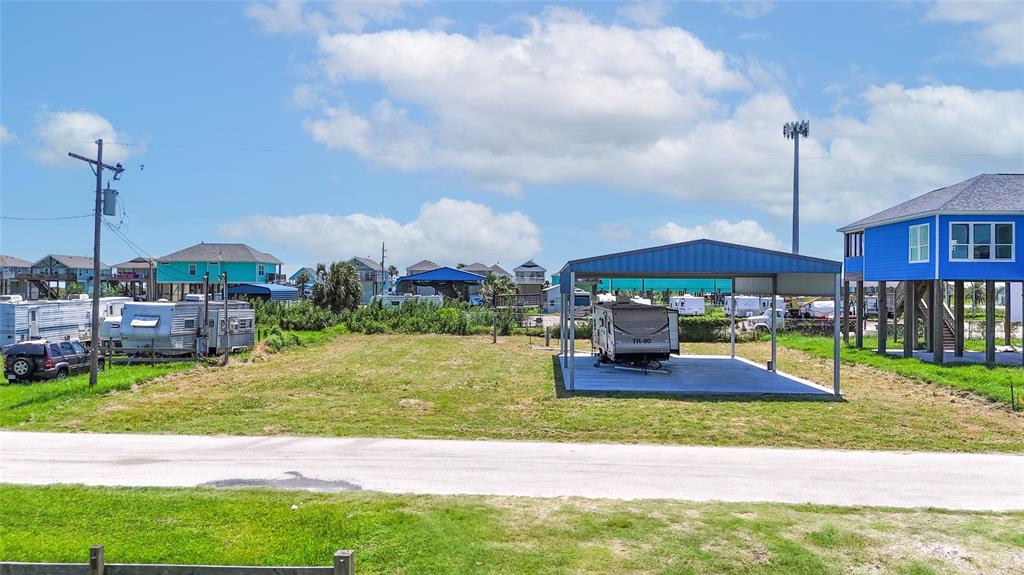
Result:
{"points": [[416, 404]]}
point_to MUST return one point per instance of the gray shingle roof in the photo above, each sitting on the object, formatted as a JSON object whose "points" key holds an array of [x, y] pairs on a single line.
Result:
{"points": [[134, 264], [423, 265], [204, 252], [373, 265], [530, 266], [499, 271], [13, 262], [72, 262], [985, 193]]}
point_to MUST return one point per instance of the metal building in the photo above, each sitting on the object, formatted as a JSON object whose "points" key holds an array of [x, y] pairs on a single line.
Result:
{"points": [[751, 270]]}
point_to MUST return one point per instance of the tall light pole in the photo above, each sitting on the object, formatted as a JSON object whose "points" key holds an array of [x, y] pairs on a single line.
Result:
{"points": [[794, 130]]}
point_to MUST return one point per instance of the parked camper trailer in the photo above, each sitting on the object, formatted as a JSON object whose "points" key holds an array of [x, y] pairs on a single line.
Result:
{"points": [[398, 300], [635, 333], [687, 304], [749, 305], [52, 319], [819, 309], [175, 328]]}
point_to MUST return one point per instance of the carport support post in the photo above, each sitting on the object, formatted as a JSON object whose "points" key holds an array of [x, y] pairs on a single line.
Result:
{"points": [[732, 320], [774, 356], [572, 330], [562, 333], [835, 340], [883, 318], [1007, 324]]}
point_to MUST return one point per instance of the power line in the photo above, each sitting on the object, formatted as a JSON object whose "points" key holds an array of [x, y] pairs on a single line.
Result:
{"points": [[35, 219]]}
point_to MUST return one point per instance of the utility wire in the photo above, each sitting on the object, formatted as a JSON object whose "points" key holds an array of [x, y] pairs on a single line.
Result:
{"points": [[35, 219]]}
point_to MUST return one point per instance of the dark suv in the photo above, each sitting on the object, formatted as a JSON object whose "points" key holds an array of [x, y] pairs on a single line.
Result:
{"points": [[44, 359]]}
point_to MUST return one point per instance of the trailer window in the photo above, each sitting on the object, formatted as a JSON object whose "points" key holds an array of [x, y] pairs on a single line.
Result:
{"points": [[145, 321], [190, 324]]}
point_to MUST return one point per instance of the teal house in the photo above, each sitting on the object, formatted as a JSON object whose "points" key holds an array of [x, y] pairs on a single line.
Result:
{"points": [[183, 271]]}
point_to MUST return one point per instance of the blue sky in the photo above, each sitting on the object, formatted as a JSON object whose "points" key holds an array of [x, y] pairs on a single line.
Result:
{"points": [[466, 132]]}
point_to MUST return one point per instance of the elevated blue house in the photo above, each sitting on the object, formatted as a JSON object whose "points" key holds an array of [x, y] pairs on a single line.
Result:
{"points": [[967, 232]]}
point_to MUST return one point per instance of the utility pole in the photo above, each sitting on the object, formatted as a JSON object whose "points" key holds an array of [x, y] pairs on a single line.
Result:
{"points": [[206, 310], [98, 166], [381, 270], [794, 130], [227, 323]]}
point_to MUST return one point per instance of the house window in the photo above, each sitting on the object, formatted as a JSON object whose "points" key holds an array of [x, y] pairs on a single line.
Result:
{"points": [[989, 241], [191, 269], [855, 244], [260, 270], [919, 243]]}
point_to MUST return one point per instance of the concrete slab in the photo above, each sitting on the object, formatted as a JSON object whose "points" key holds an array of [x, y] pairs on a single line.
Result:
{"points": [[693, 375], [1008, 358]]}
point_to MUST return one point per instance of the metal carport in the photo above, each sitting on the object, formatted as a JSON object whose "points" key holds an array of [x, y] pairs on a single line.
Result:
{"points": [[752, 270]]}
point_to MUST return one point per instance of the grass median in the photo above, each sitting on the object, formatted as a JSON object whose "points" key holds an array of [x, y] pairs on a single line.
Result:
{"points": [[394, 534]]}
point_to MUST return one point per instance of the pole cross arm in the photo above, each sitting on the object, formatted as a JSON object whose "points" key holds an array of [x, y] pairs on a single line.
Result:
{"points": [[116, 169]]}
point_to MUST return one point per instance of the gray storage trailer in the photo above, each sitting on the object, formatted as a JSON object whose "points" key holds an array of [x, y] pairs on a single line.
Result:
{"points": [[176, 328]]}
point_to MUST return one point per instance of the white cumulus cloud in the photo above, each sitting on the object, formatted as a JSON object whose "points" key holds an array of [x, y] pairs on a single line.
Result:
{"points": [[745, 232], [62, 132], [644, 13], [292, 16], [748, 10], [571, 100], [999, 26], [445, 231]]}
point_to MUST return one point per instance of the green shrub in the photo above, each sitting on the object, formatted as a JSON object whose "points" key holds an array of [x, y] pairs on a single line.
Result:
{"points": [[703, 328]]}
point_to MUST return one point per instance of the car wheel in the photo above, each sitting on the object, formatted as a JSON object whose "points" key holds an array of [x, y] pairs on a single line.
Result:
{"points": [[21, 367], [62, 374]]}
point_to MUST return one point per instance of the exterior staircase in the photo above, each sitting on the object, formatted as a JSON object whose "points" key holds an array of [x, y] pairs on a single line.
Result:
{"points": [[922, 303]]}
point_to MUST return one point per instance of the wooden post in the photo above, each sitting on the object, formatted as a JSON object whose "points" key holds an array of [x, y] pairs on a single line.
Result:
{"points": [[96, 566], [344, 562], [929, 316], [958, 318], [909, 318], [860, 314], [1007, 325], [938, 322], [990, 322], [883, 318], [846, 312]]}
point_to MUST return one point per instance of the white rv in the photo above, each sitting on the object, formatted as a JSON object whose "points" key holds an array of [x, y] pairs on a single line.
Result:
{"points": [[750, 305], [819, 309], [52, 319], [396, 300], [174, 328], [687, 304], [634, 333]]}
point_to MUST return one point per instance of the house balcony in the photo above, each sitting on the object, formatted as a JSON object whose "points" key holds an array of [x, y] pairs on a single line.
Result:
{"points": [[529, 280]]}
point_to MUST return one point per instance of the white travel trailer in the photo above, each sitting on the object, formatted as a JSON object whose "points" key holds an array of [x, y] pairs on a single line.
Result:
{"points": [[687, 304], [52, 319], [635, 334], [750, 305], [819, 309], [174, 328], [396, 300]]}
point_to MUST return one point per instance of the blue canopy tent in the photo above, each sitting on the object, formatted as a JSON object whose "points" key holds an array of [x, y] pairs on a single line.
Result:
{"points": [[450, 282], [751, 270], [275, 292]]}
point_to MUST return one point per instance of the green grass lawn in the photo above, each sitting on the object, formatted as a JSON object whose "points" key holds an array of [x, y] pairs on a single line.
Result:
{"points": [[396, 534], [435, 386], [990, 382], [22, 402]]}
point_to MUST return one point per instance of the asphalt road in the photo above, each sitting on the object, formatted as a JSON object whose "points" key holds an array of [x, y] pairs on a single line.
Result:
{"points": [[943, 480]]}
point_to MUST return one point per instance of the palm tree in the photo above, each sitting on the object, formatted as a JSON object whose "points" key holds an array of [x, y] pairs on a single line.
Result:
{"points": [[301, 280], [977, 293], [495, 286], [337, 287], [460, 265], [392, 271]]}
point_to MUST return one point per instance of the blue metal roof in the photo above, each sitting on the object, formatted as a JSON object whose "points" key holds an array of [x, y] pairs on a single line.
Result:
{"points": [[443, 274], [698, 259], [275, 291]]}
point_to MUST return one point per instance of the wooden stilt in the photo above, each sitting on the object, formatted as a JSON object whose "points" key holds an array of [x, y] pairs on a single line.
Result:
{"points": [[883, 318], [958, 318], [938, 324], [909, 319], [860, 314], [990, 322], [1007, 325]]}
